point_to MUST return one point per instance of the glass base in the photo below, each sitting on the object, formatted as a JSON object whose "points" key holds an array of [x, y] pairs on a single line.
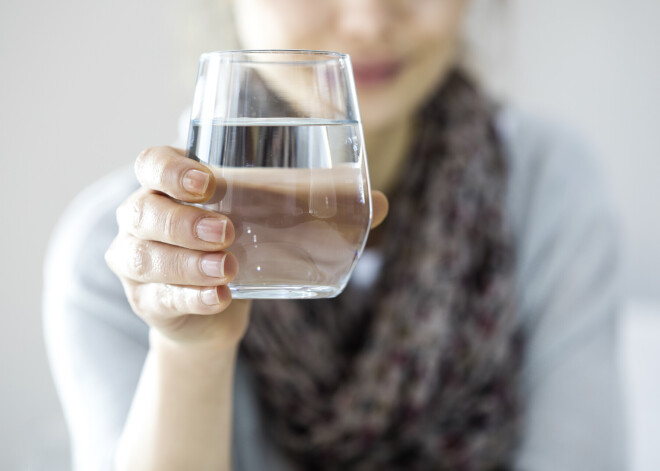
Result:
{"points": [[283, 292]]}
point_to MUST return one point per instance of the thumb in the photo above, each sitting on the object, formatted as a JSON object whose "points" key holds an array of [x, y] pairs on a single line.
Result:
{"points": [[380, 208]]}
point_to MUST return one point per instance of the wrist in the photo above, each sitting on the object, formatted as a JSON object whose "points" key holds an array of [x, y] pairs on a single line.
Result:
{"points": [[204, 336], [187, 354]]}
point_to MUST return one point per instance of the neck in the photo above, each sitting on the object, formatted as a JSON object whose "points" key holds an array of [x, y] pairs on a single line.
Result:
{"points": [[387, 148]]}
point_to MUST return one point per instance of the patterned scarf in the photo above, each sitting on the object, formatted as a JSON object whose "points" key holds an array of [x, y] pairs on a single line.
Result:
{"points": [[421, 373]]}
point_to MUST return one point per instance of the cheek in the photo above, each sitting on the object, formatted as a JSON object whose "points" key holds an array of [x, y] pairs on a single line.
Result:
{"points": [[433, 40], [437, 31], [439, 23]]}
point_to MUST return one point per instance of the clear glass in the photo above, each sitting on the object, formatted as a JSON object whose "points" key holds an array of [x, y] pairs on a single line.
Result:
{"points": [[281, 131]]}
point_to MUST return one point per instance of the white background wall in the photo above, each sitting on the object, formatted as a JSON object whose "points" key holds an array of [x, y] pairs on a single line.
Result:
{"points": [[595, 64], [85, 85]]}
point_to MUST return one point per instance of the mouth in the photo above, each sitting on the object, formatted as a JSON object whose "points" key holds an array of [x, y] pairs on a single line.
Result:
{"points": [[374, 73]]}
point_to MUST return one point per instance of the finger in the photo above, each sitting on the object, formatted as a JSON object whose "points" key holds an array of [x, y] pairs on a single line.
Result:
{"points": [[380, 207], [153, 216], [167, 170], [148, 261], [157, 302]]}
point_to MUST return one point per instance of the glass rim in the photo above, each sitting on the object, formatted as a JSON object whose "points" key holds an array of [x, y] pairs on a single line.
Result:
{"points": [[316, 56]]}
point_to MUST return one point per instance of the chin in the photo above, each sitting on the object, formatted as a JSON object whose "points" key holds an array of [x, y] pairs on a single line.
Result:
{"points": [[387, 105], [383, 108], [377, 117]]}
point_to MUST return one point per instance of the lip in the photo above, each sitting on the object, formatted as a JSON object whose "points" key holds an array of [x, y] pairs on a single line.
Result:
{"points": [[373, 73]]}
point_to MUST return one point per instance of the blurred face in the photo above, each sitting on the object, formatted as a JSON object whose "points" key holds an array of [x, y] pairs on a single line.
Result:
{"points": [[400, 49]]}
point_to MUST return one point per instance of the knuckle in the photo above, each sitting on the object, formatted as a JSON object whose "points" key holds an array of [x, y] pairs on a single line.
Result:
{"points": [[135, 212], [176, 299], [167, 297], [176, 266], [152, 167], [171, 173], [143, 159], [172, 223], [188, 300], [141, 260]]}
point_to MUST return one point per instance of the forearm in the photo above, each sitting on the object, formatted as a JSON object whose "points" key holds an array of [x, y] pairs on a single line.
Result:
{"points": [[182, 411]]}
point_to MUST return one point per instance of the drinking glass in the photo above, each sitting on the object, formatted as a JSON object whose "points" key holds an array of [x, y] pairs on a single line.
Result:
{"points": [[281, 131]]}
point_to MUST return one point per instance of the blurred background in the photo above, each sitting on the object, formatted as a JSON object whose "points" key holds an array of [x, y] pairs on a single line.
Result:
{"points": [[86, 85]]}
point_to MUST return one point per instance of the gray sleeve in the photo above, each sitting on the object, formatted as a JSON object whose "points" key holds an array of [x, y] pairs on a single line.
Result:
{"points": [[568, 291], [96, 345]]}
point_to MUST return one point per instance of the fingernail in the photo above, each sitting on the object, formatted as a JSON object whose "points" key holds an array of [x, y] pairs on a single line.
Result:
{"points": [[211, 229], [195, 181], [214, 265], [210, 297]]}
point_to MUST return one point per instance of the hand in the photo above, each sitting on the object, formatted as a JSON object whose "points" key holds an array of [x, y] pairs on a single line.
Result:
{"points": [[171, 257]]}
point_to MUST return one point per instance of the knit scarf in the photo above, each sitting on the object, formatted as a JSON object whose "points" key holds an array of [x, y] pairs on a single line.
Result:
{"points": [[421, 373]]}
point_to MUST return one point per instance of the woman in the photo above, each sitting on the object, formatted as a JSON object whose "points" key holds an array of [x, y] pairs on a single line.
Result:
{"points": [[477, 333]]}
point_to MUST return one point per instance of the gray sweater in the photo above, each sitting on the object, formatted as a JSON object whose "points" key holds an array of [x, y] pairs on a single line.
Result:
{"points": [[567, 291]]}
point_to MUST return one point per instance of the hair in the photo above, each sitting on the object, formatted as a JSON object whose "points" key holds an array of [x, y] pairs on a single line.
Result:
{"points": [[207, 25]]}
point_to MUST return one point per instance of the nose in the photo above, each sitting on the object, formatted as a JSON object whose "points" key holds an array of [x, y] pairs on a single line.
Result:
{"points": [[365, 20]]}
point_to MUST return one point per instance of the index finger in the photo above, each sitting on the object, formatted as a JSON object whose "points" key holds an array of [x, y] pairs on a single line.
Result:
{"points": [[168, 170]]}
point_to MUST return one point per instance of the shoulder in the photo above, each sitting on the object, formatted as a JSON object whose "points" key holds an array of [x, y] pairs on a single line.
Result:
{"points": [[565, 228], [567, 294], [525, 133], [93, 204], [76, 278], [551, 168], [95, 344], [556, 193], [89, 220]]}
